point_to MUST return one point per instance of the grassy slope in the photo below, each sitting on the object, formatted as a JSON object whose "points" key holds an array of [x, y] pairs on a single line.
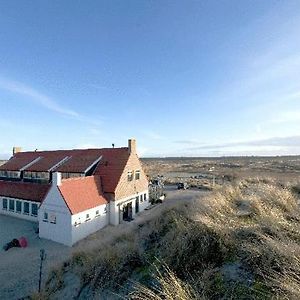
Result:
{"points": [[243, 243]]}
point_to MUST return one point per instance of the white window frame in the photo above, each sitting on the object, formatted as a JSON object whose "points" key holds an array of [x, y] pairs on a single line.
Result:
{"points": [[137, 173], [12, 201], [25, 212], [4, 200]]}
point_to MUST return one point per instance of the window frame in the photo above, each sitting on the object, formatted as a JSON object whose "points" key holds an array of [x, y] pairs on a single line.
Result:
{"points": [[32, 210], [24, 210], [46, 217], [4, 200], [137, 175], [129, 176], [20, 203], [9, 206]]}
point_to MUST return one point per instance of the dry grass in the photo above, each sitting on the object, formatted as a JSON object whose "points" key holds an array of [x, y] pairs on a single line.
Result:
{"points": [[241, 243]]}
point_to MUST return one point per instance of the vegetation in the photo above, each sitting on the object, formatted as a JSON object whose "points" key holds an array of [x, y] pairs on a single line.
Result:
{"points": [[243, 242]]}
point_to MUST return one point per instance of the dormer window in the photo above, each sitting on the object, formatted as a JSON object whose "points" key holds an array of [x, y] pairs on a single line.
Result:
{"points": [[10, 174]]}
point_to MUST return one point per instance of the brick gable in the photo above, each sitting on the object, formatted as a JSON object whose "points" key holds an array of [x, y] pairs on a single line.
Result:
{"points": [[126, 188]]}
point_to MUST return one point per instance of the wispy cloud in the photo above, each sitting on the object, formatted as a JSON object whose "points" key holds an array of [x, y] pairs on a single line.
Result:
{"points": [[187, 142], [35, 96], [287, 142]]}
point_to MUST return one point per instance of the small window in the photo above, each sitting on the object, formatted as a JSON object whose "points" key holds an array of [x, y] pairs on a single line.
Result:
{"points": [[4, 204], [77, 223], [45, 217], [97, 213], [129, 175], [105, 210], [53, 219], [26, 208], [34, 210], [137, 175], [145, 197], [141, 198], [12, 205], [87, 217], [18, 206]]}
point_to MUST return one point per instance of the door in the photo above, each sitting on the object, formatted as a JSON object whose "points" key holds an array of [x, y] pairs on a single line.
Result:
{"points": [[137, 205]]}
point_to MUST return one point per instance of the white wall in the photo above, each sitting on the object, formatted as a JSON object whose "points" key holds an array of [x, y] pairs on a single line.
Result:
{"points": [[16, 214], [116, 207], [81, 227], [55, 206]]}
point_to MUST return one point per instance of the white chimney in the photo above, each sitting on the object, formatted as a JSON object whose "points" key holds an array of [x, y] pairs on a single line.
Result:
{"points": [[132, 146], [56, 178]]}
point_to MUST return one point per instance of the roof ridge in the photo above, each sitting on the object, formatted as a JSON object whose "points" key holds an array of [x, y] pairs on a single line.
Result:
{"points": [[80, 178]]}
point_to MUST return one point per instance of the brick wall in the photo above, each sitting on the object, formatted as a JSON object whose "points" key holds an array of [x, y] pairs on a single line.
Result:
{"points": [[126, 188]]}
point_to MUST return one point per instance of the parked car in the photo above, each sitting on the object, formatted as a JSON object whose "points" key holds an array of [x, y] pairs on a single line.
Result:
{"points": [[182, 186]]}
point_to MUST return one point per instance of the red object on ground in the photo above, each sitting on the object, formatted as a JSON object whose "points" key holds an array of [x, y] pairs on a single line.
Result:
{"points": [[23, 242]]}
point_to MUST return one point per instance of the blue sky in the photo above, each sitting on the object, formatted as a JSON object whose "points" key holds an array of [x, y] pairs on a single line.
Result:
{"points": [[194, 78]]}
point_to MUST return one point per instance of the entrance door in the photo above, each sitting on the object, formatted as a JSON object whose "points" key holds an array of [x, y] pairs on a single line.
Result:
{"points": [[127, 212], [137, 205]]}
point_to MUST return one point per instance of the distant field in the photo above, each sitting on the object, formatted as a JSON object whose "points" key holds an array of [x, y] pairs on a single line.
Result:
{"points": [[201, 171]]}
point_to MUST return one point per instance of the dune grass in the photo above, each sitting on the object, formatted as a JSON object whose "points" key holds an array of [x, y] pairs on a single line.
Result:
{"points": [[243, 242]]}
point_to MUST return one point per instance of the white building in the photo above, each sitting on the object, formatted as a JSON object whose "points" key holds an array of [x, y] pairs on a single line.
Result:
{"points": [[73, 193]]}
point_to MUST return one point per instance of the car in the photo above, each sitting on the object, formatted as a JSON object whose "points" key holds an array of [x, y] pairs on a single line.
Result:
{"points": [[182, 186]]}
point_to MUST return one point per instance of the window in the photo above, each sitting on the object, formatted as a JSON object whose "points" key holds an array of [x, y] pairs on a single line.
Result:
{"points": [[4, 204], [129, 175], [105, 210], [12, 205], [18, 206], [77, 223], [141, 198], [53, 219], [34, 210], [26, 208], [145, 197], [45, 217], [10, 174], [97, 213], [137, 175], [87, 217]]}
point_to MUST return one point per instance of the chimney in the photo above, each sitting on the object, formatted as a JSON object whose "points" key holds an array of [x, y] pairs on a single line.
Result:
{"points": [[56, 178], [16, 150], [132, 146]]}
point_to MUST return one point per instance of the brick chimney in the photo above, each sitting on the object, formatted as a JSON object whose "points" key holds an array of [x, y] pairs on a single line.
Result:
{"points": [[16, 150], [56, 179], [132, 146]]}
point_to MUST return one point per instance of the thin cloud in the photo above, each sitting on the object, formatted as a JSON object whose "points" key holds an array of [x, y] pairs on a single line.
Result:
{"points": [[287, 142], [187, 142], [36, 96]]}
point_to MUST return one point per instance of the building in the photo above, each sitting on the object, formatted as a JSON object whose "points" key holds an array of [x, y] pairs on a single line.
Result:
{"points": [[73, 193]]}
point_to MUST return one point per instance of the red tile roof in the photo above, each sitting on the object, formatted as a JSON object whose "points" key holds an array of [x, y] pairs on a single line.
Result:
{"points": [[48, 161], [82, 193], [80, 161], [111, 168], [23, 190], [17, 162]]}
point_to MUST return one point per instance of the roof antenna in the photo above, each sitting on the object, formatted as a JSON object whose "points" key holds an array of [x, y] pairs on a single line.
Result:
{"points": [[113, 145]]}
